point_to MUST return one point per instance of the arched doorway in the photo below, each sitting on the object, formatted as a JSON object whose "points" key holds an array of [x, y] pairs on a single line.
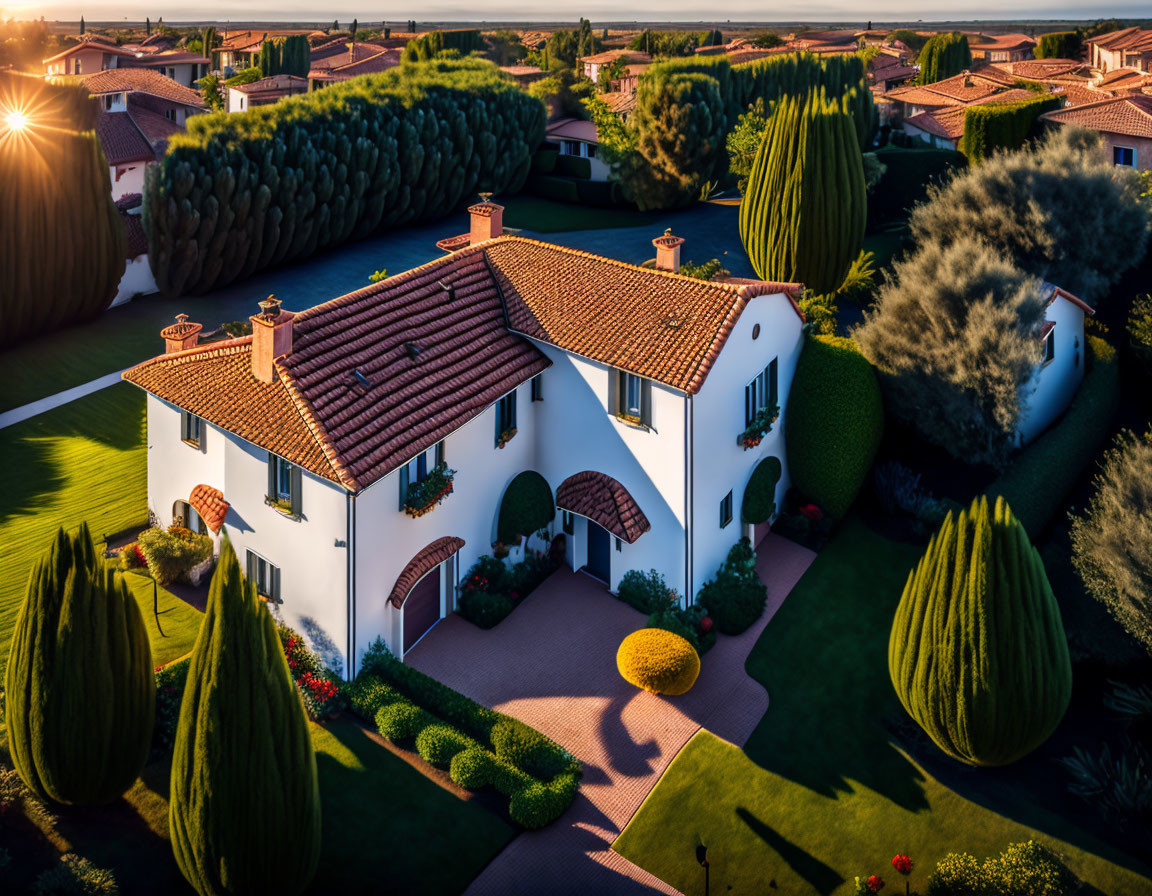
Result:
{"points": [[610, 513], [423, 590]]}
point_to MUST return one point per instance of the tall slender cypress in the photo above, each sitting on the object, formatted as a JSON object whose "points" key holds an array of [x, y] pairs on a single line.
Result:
{"points": [[244, 810], [79, 687], [803, 212], [977, 652]]}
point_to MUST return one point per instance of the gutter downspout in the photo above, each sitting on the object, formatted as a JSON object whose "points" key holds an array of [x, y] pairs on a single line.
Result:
{"points": [[350, 521], [689, 481]]}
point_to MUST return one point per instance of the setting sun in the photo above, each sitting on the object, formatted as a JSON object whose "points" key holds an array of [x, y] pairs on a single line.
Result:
{"points": [[16, 121]]}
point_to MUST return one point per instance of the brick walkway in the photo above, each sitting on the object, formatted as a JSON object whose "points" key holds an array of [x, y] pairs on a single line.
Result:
{"points": [[552, 663]]}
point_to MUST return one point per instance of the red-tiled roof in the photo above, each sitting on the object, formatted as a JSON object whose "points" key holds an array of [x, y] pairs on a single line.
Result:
{"points": [[605, 501], [122, 140], [154, 126], [141, 80], [170, 57], [423, 563], [89, 46], [962, 88], [988, 42], [275, 82], [210, 504], [1123, 79], [335, 53], [1127, 115], [610, 56], [1134, 39], [948, 122], [380, 62], [619, 102]]}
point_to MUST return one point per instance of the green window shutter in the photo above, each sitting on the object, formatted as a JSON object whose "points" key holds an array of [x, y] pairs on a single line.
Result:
{"points": [[251, 574], [614, 377], [499, 420], [512, 409], [403, 477], [440, 459], [297, 484], [646, 402], [275, 583], [271, 475], [773, 385]]}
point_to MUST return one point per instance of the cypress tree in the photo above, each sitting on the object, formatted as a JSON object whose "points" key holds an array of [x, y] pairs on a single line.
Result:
{"points": [[355, 27], [147, 27], [244, 810], [80, 686], [803, 212], [977, 652], [81, 24], [943, 56]]}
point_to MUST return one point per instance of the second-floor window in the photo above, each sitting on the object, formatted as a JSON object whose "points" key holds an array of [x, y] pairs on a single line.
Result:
{"points": [[416, 470], [191, 428], [284, 485], [1050, 345], [264, 576], [505, 419], [762, 393], [726, 510], [537, 388], [630, 398]]}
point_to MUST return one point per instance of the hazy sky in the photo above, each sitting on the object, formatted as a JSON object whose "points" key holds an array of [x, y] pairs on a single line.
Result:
{"points": [[598, 10]]}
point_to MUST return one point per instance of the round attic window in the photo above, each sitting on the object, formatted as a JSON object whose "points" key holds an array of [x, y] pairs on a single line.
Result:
{"points": [[756, 331]]}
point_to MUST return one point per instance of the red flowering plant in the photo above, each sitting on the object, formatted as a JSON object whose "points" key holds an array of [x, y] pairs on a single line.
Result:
{"points": [[814, 514], [903, 865], [875, 883], [320, 689], [760, 426]]}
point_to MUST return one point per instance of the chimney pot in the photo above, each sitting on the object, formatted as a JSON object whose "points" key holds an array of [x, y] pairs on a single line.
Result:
{"points": [[487, 220], [271, 338], [180, 336], [668, 251]]}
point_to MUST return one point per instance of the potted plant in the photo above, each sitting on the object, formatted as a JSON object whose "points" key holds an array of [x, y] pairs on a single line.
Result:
{"points": [[505, 437], [760, 426], [423, 496]]}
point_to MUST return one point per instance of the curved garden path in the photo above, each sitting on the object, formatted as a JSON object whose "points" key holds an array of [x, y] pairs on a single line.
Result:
{"points": [[552, 664]]}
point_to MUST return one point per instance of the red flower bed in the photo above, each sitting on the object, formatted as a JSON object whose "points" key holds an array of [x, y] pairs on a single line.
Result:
{"points": [[903, 864]]}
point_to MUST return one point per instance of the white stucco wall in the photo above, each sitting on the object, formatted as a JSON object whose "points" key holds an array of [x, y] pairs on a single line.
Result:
{"points": [[237, 100], [127, 179], [175, 467], [137, 280], [719, 464], [1054, 385]]}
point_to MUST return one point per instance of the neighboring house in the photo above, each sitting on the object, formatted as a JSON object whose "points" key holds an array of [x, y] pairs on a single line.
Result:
{"points": [[524, 75], [1126, 48], [367, 65], [87, 56], [182, 67], [886, 73], [903, 103], [1056, 380], [154, 91], [593, 64], [626, 388], [1125, 123], [264, 92], [1001, 47], [629, 82], [578, 138], [943, 127], [1122, 80], [620, 103], [137, 279], [240, 49], [126, 150]]}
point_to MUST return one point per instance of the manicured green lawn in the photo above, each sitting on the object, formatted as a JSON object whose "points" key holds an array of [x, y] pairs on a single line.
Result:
{"points": [[545, 216], [820, 793], [83, 461]]}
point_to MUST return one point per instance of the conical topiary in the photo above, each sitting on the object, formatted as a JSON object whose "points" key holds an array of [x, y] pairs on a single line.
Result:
{"points": [[80, 688], [244, 809], [977, 652], [803, 211]]}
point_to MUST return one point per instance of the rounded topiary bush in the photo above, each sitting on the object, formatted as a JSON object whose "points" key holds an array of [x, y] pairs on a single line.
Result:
{"points": [[834, 422], [658, 661], [526, 748], [977, 652], [527, 507], [402, 719], [438, 744], [471, 769], [538, 804], [760, 493]]}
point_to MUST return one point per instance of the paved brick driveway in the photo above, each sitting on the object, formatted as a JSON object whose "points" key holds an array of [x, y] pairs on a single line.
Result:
{"points": [[552, 663]]}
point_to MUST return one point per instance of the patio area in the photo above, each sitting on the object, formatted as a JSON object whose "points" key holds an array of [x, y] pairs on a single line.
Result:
{"points": [[552, 664]]}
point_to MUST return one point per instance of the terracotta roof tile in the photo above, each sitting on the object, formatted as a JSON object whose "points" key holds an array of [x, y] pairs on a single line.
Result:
{"points": [[1127, 115], [137, 240], [155, 127], [379, 62], [210, 504], [274, 82], [948, 122], [605, 501], [424, 562], [122, 140], [610, 56], [1134, 39], [657, 324], [170, 57], [141, 80]]}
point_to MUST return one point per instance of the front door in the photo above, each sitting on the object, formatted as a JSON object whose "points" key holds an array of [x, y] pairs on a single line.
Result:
{"points": [[599, 552], [421, 608]]}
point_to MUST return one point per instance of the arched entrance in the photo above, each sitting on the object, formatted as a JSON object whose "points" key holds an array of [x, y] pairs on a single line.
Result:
{"points": [[422, 592], [609, 512]]}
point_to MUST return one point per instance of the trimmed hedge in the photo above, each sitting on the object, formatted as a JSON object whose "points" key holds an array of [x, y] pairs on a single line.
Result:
{"points": [[544, 162], [736, 597], [600, 193], [527, 507], [1043, 474], [760, 493], [658, 661], [573, 166], [645, 591], [834, 422], [479, 746], [994, 127], [907, 176], [558, 189]]}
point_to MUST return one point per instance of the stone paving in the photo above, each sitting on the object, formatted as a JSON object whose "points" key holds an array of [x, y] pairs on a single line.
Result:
{"points": [[552, 663]]}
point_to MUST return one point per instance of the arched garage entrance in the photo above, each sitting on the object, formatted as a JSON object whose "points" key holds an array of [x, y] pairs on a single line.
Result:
{"points": [[610, 512], [422, 592]]}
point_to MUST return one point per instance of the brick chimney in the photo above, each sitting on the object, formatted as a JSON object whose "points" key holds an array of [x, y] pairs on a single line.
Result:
{"points": [[271, 337], [487, 221], [668, 251], [181, 335]]}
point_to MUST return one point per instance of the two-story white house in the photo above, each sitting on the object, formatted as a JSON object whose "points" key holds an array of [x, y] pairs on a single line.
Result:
{"points": [[627, 388]]}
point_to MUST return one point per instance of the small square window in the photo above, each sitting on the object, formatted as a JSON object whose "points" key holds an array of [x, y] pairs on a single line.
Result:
{"points": [[619, 545], [537, 388], [265, 577], [726, 510], [190, 428], [1124, 155]]}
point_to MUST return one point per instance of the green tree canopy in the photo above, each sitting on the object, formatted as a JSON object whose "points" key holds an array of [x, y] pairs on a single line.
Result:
{"points": [[526, 507], [943, 56]]}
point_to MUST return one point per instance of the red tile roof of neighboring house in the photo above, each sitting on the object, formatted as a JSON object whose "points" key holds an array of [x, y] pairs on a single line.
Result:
{"points": [[170, 57], [1059, 292], [380, 62], [657, 324], [987, 42], [419, 566], [274, 82], [571, 129], [122, 140], [210, 504], [141, 80], [1137, 39], [1123, 79], [522, 71], [155, 127], [1127, 115], [605, 501], [963, 88], [948, 122], [609, 56], [619, 102], [330, 56], [88, 46]]}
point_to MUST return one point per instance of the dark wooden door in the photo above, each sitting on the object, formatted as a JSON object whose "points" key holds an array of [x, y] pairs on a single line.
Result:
{"points": [[599, 552], [422, 608]]}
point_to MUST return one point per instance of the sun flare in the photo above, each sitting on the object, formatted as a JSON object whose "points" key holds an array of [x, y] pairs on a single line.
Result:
{"points": [[16, 121]]}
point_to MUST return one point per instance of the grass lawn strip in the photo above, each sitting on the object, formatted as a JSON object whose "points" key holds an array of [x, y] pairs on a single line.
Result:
{"points": [[820, 794]]}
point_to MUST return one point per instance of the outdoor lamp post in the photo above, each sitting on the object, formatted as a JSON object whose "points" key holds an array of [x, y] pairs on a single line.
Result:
{"points": [[702, 858]]}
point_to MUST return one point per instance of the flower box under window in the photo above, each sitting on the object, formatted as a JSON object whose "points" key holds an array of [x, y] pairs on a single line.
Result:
{"points": [[759, 427], [505, 437], [423, 496]]}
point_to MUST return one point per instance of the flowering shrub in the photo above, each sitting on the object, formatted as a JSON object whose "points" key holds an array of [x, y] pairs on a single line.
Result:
{"points": [[491, 588], [321, 690], [903, 865], [170, 682], [735, 598], [425, 495], [1023, 869], [170, 555], [875, 883], [131, 557], [646, 591], [694, 625], [760, 426]]}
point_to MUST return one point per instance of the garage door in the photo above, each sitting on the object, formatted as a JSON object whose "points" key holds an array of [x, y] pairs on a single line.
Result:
{"points": [[422, 608]]}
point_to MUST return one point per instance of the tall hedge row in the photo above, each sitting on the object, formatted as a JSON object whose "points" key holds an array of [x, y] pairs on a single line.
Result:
{"points": [[946, 54], [463, 41], [991, 127], [290, 55], [62, 242], [1059, 45], [239, 193]]}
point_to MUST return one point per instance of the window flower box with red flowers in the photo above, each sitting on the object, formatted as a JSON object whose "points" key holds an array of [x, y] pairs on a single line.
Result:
{"points": [[760, 426], [505, 437], [423, 496]]}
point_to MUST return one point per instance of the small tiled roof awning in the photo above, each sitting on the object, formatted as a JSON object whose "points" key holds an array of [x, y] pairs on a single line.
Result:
{"points": [[210, 504], [424, 561], [605, 501]]}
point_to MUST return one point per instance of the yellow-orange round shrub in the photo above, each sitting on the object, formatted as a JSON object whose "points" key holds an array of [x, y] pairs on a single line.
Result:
{"points": [[659, 661]]}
